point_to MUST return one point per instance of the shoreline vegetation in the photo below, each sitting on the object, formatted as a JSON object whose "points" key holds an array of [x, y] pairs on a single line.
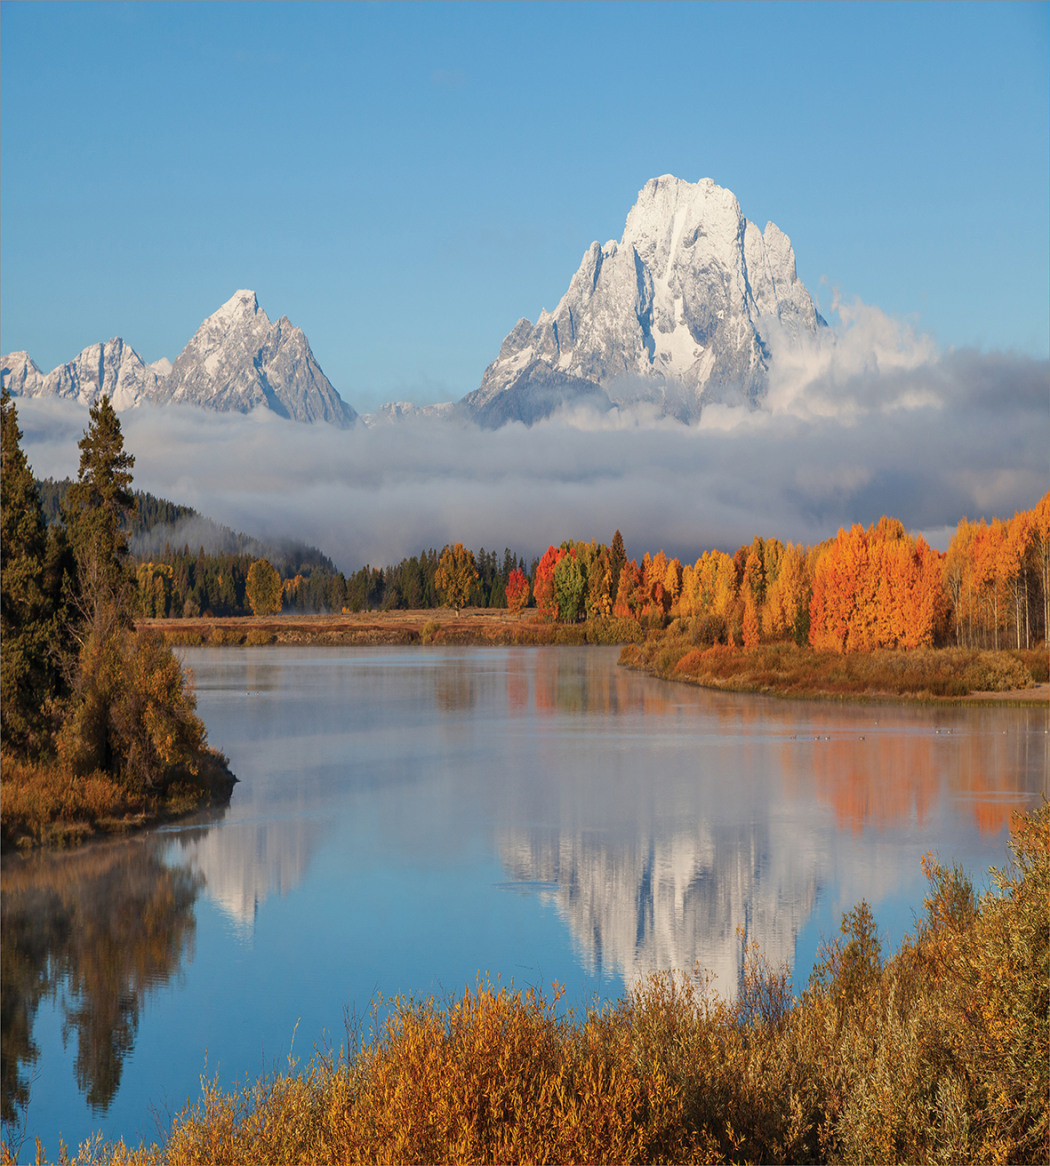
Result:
{"points": [[935, 1053], [678, 652], [99, 731]]}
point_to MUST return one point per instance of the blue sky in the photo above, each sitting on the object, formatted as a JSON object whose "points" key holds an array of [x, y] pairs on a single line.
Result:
{"points": [[404, 181]]}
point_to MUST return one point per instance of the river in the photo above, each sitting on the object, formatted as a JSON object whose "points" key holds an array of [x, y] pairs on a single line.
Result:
{"points": [[408, 819]]}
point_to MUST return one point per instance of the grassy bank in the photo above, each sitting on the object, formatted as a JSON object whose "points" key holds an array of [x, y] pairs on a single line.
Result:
{"points": [[478, 626], [47, 804], [785, 669], [937, 1054]]}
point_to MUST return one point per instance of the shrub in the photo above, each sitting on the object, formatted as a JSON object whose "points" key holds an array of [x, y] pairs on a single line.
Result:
{"points": [[225, 637]]}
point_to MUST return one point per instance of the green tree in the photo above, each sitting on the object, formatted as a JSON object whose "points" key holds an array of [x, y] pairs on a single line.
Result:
{"points": [[570, 584], [456, 575], [29, 675], [263, 588]]}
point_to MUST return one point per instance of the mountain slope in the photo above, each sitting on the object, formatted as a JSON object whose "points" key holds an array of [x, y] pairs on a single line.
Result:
{"points": [[681, 312]]}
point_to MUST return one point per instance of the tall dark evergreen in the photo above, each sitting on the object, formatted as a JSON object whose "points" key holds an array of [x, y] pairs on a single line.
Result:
{"points": [[617, 562], [28, 668], [97, 509]]}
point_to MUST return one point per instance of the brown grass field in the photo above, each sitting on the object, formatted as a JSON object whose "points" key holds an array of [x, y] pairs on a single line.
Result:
{"points": [[472, 625]]}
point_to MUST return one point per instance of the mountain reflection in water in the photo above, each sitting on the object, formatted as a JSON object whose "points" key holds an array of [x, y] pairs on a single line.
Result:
{"points": [[388, 800]]}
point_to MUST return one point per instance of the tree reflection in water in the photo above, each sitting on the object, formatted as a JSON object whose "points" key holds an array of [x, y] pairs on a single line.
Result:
{"points": [[98, 929]]}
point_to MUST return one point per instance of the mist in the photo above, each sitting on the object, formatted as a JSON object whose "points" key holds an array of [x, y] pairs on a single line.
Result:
{"points": [[867, 419]]}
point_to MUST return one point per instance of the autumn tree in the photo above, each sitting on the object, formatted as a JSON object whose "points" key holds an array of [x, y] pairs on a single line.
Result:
{"points": [[1041, 552], [517, 591], [630, 592], [155, 584], [749, 623], [543, 584], [600, 593], [263, 588], [787, 598], [456, 575], [877, 588]]}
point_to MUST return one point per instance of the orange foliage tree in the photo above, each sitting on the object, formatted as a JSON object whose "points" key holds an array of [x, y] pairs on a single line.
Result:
{"points": [[543, 585], [877, 588]]}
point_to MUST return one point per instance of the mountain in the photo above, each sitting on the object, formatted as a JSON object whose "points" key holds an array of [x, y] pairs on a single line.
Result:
{"points": [[113, 369], [236, 361], [682, 312]]}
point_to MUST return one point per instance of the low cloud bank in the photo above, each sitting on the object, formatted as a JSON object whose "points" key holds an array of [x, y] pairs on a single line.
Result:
{"points": [[867, 420]]}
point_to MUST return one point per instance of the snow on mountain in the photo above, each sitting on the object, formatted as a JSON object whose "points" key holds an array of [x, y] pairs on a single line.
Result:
{"points": [[238, 360], [235, 362], [681, 312], [21, 374], [113, 369]]}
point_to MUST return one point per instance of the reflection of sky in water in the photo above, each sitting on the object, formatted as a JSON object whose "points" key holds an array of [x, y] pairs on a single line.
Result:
{"points": [[408, 817]]}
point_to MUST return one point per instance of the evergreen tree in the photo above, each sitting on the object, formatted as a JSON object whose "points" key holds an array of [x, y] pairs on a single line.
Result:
{"points": [[29, 676], [97, 509], [617, 562]]}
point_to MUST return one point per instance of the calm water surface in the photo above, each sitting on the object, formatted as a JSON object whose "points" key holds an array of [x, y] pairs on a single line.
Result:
{"points": [[408, 818]]}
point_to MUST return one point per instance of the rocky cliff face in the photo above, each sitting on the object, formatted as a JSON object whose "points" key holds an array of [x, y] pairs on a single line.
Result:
{"points": [[681, 312], [236, 361]]}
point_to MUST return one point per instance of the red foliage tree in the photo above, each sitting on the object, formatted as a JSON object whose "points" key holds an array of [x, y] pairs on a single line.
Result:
{"points": [[517, 590]]}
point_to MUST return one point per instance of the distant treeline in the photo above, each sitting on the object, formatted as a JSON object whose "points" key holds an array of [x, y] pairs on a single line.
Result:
{"points": [[862, 590], [188, 583]]}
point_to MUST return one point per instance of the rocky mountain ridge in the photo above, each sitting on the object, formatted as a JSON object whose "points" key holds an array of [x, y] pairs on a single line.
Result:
{"points": [[236, 361], [685, 310]]}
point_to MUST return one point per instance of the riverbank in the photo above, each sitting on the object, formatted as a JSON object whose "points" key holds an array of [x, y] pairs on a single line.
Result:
{"points": [[45, 804], [785, 669], [472, 625]]}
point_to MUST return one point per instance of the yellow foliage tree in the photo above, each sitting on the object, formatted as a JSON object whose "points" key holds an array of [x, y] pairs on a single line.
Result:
{"points": [[263, 588], [456, 575]]}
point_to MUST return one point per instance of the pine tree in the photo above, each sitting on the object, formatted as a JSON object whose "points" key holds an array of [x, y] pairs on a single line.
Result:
{"points": [[97, 509], [617, 562], [29, 676]]}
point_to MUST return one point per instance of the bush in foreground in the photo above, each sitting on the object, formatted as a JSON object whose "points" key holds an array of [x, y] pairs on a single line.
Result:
{"points": [[938, 1054]]}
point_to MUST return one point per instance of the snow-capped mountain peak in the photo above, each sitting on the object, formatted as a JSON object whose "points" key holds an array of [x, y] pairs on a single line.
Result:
{"points": [[679, 312]]}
